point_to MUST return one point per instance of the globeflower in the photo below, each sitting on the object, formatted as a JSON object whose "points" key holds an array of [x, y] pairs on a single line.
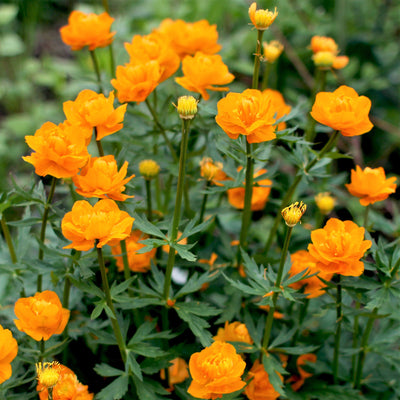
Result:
{"points": [[177, 372], [212, 171], [303, 359], [187, 38], [41, 316], [137, 262], [343, 110], [8, 351], [278, 105], [202, 72], [92, 110], [340, 62], [59, 150], [261, 19], [249, 113], [325, 202], [323, 43], [370, 185], [100, 178], [216, 370], [234, 332], [87, 30], [272, 50], [104, 222], [338, 247]]}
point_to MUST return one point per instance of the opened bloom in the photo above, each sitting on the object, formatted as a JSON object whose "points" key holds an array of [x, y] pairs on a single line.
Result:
{"points": [[178, 371], [92, 110], [48, 373], [260, 388], [233, 332], [8, 351], [104, 222], [87, 30], [278, 105], [323, 43], [249, 113], [370, 185], [338, 247], [343, 110], [138, 262], [261, 19], [313, 286], [304, 359], [202, 72], [59, 150], [212, 171], [187, 38], [41, 315], [100, 178], [216, 370]]}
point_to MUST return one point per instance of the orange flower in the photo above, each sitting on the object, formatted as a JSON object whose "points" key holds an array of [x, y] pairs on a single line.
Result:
{"points": [[343, 110], [87, 30], [186, 38], [323, 43], [304, 359], [302, 260], [153, 47], [340, 62], [279, 106], [202, 71], [249, 113], [261, 19], [261, 190], [93, 110], [277, 314], [104, 222], [212, 171], [272, 51], [338, 247], [211, 261], [8, 351], [100, 178], [260, 388], [41, 316], [136, 82], [370, 185], [177, 372], [59, 150], [233, 332], [137, 262], [216, 370], [67, 388]]}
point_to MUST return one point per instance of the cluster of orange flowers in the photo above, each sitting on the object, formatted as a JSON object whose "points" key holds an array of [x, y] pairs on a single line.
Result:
{"points": [[326, 52]]}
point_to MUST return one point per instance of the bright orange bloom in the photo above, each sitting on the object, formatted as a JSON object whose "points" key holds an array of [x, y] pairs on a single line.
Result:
{"points": [[216, 370], [100, 178], [59, 150], [67, 388], [343, 110], [233, 332], [278, 105], [41, 316], [212, 171], [304, 359], [177, 372], [249, 113], [370, 185], [340, 62], [137, 262], [261, 19], [136, 82], [187, 38], [87, 30], [153, 47], [260, 388], [272, 50], [202, 71], [93, 110], [302, 260], [323, 43], [104, 222], [261, 191], [8, 351], [338, 248]]}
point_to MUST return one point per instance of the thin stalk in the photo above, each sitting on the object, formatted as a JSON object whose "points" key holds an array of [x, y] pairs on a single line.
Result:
{"points": [[96, 69], [113, 318], [363, 352], [106, 6], [112, 60], [339, 318], [127, 271], [148, 195], [302, 314], [8, 239], [257, 56], [204, 203], [356, 329], [270, 318], [288, 196], [366, 212], [43, 228], [394, 270], [267, 72], [50, 393], [42, 348], [98, 143], [178, 205]]}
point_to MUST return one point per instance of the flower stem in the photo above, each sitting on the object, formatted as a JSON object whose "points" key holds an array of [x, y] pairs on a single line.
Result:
{"points": [[42, 348], [50, 393], [96, 69], [148, 195], [204, 203], [178, 204], [257, 55], [9, 242], [339, 317], [113, 318], [43, 228], [98, 143], [356, 329], [270, 318], [127, 271], [366, 212], [267, 72]]}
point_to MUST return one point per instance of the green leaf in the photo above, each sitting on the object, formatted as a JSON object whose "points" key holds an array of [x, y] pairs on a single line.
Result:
{"points": [[147, 350], [272, 366], [107, 370], [132, 364], [197, 308], [149, 389], [122, 287], [145, 226], [87, 287], [298, 349], [98, 309], [194, 283], [191, 229], [115, 390], [283, 337], [183, 251]]}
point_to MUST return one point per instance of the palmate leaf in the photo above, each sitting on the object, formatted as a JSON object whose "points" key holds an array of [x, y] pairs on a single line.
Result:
{"points": [[192, 228], [144, 225], [115, 390], [194, 283], [272, 366], [149, 389], [258, 291], [107, 370]]}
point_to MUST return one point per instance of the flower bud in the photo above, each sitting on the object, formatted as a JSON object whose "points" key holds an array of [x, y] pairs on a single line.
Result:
{"points": [[48, 373], [209, 168], [187, 107], [325, 202], [293, 213], [324, 59], [149, 169], [272, 50], [340, 62]]}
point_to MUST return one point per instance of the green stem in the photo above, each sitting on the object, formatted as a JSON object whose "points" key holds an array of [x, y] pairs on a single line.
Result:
{"points": [[178, 204], [356, 328], [96, 69], [42, 348], [98, 143], [113, 318], [257, 56], [50, 393], [162, 130], [267, 72], [127, 271], [43, 228], [204, 203], [288, 196], [148, 195], [9, 242], [302, 314], [270, 318], [106, 6], [366, 212], [394, 270], [339, 318], [363, 352]]}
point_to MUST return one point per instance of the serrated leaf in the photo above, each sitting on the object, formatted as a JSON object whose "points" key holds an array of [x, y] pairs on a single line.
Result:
{"points": [[145, 226], [191, 228], [98, 310], [147, 350], [132, 364], [183, 251], [107, 370], [115, 390], [87, 287], [283, 337], [197, 308], [272, 366], [298, 349], [194, 283]]}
